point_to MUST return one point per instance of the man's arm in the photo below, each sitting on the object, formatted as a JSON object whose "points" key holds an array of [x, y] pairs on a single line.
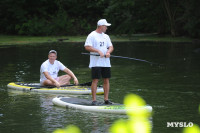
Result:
{"points": [[51, 79], [110, 50], [70, 73], [91, 49]]}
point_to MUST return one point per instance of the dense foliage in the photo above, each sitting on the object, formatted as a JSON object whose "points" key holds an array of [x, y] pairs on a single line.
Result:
{"points": [[78, 17]]}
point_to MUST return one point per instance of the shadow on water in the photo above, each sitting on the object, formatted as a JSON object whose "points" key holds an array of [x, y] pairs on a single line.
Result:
{"points": [[172, 89]]}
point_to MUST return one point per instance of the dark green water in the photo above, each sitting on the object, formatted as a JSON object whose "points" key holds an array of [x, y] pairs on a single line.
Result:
{"points": [[173, 89]]}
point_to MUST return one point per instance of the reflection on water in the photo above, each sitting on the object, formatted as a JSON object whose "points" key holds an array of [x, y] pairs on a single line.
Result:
{"points": [[20, 73], [172, 89]]}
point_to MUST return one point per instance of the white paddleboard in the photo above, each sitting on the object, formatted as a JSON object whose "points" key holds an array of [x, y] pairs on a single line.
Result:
{"points": [[84, 104]]}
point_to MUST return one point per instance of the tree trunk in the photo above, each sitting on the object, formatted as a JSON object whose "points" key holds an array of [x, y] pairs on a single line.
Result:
{"points": [[170, 17]]}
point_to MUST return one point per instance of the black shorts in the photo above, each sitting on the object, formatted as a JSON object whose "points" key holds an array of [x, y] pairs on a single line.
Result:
{"points": [[98, 72]]}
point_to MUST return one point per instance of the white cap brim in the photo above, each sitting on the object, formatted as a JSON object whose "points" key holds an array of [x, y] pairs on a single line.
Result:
{"points": [[102, 22], [108, 24]]}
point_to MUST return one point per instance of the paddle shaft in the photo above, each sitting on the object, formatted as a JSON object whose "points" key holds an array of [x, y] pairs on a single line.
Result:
{"points": [[115, 56], [83, 84]]}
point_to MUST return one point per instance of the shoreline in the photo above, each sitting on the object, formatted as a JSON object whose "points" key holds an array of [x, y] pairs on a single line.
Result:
{"points": [[25, 40]]}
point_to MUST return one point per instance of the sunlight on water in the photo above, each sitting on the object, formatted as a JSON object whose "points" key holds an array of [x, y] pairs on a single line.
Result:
{"points": [[138, 121], [68, 129], [194, 129]]}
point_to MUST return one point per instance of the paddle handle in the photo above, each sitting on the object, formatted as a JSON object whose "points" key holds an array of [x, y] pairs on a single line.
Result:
{"points": [[91, 54]]}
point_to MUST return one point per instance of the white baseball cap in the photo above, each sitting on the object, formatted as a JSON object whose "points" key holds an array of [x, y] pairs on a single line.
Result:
{"points": [[103, 22]]}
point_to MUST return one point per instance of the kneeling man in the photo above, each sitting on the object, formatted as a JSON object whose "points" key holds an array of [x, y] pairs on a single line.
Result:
{"points": [[49, 72]]}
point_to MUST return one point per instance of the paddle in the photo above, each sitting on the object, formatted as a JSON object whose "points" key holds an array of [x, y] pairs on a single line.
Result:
{"points": [[130, 58], [83, 84]]}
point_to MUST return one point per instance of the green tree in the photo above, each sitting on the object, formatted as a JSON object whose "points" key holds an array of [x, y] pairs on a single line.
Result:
{"points": [[191, 17], [120, 13], [75, 17]]}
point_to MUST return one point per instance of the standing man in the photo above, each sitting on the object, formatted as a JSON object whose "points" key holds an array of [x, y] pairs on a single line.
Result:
{"points": [[98, 42], [49, 72]]}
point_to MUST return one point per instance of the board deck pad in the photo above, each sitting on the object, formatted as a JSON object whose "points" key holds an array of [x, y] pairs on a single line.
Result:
{"points": [[38, 86], [85, 102]]}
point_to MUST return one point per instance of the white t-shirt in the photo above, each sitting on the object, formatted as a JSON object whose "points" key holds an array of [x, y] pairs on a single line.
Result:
{"points": [[52, 69], [101, 42]]}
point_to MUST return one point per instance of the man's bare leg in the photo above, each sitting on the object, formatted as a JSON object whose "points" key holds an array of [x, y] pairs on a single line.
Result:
{"points": [[94, 88], [48, 83], [64, 80], [106, 87]]}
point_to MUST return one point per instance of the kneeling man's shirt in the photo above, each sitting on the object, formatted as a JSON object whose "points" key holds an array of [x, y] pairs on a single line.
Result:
{"points": [[52, 69]]}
